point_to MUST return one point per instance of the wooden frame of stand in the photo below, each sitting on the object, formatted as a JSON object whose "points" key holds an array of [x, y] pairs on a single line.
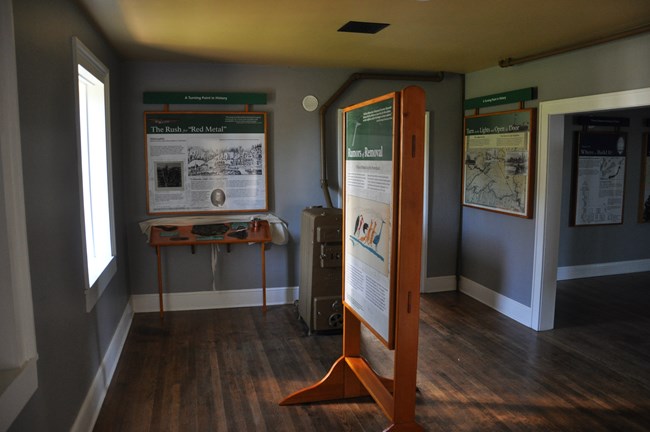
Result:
{"points": [[351, 375]]}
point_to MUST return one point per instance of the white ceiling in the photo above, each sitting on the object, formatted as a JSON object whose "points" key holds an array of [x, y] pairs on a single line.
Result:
{"points": [[436, 35]]}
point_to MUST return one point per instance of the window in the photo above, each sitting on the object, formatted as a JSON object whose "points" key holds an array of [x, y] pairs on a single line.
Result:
{"points": [[95, 178]]}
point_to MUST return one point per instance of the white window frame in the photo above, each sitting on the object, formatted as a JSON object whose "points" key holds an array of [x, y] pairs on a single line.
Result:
{"points": [[94, 285], [18, 356]]}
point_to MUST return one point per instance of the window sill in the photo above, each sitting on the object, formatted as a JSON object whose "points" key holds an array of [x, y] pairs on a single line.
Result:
{"points": [[16, 388], [95, 292]]}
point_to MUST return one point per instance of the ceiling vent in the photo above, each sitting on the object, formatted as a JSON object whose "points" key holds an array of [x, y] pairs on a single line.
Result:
{"points": [[362, 27]]}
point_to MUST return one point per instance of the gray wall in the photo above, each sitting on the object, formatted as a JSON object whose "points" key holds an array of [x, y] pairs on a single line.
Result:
{"points": [[606, 243], [70, 341], [497, 250], [294, 167]]}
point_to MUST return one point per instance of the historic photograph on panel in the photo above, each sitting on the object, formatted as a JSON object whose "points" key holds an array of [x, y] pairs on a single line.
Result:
{"points": [[169, 175]]}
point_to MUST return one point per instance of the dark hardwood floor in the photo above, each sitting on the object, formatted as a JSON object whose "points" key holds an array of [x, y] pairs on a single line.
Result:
{"points": [[226, 370]]}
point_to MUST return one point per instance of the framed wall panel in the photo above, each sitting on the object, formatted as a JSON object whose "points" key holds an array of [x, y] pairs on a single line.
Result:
{"points": [[206, 162], [370, 144], [498, 162], [599, 178], [644, 198]]}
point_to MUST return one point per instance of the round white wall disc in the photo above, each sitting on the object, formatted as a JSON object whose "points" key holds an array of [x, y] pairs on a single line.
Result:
{"points": [[310, 103]]}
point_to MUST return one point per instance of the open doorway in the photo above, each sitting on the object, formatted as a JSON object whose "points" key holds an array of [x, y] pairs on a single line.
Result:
{"points": [[603, 256], [548, 203]]}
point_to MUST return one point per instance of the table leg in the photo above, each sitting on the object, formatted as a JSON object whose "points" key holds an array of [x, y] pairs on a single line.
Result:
{"points": [[160, 284], [263, 277]]}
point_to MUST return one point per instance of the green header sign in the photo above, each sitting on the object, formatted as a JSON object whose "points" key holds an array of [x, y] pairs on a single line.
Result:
{"points": [[369, 132], [184, 98], [208, 123], [514, 96]]}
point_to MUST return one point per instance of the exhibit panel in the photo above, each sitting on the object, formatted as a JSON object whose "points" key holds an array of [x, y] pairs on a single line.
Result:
{"points": [[200, 162], [382, 250]]}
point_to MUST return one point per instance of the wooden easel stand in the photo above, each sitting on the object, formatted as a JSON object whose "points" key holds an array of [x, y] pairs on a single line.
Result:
{"points": [[351, 375]]}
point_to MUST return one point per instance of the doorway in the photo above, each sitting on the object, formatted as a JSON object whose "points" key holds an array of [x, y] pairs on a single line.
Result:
{"points": [[548, 201]]}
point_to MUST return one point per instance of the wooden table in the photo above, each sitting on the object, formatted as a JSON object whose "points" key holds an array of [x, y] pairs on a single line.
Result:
{"points": [[165, 236]]}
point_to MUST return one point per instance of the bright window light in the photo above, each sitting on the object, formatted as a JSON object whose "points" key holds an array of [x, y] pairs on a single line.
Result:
{"points": [[95, 173]]}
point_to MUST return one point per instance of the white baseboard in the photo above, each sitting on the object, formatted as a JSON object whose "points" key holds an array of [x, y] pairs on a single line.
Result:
{"points": [[439, 284], [510, 308], [93, 403], [602, 269], [214, 299]]}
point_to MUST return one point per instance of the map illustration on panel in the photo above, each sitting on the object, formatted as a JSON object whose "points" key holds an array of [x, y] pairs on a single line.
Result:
{"points": [[496, 172]]}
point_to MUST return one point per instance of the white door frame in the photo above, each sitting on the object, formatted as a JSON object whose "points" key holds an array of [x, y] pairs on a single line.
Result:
{"points": [[548, 202]]}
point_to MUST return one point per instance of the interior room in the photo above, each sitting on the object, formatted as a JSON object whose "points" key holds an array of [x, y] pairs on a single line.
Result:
{"points": [[527, 321]]}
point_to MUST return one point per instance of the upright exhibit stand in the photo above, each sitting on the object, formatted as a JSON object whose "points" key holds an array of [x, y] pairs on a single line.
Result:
{"points": [[382, 238]]}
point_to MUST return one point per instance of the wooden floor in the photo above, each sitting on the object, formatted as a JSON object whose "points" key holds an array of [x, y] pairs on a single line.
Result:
{"points": [[226, 370]]}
